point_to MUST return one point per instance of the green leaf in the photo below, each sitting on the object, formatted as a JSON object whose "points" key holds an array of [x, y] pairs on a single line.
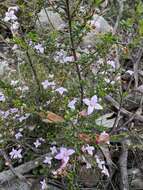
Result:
{"points": [[141, 27], [140, 8]]}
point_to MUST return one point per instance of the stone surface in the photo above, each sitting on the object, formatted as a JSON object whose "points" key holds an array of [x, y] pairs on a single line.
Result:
{"points": [[19, 185], [103, 27], [48, 18]]}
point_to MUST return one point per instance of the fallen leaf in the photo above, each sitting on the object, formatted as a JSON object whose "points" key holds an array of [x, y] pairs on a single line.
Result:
{"points": [[84, 137], [50, 117]]}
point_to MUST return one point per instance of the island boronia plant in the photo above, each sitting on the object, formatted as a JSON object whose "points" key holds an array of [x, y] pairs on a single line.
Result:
{"points": [[58, 76]]}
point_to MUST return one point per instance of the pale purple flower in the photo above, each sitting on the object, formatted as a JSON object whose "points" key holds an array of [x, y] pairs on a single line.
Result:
{"points": [[10, 15], [6, 114], [130, 72], [25, 88], [41, 139], [37, 143], [39, 48], [64, 155], [99, 162], [68, 59], [2, 97], [13, 110], [48, 160], [18, 135], [88, 165], [24, 117], [105, 171], [43, 184], [14, 8], [101, 165], [14, 27], [47, 84], [53, 149], [71, 104], [15, 47], [15, 154], [92, 104], [14, 82], [96, 24], [61, 90], [88, 148], [112, 63]]}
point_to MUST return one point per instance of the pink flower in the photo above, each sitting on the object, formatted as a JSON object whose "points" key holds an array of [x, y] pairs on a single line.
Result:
{"points": [[92, 104], [64, 155]]}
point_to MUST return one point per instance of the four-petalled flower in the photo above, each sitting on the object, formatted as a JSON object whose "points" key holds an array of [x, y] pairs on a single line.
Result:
{"points": [[64, 155], [92, 104]]}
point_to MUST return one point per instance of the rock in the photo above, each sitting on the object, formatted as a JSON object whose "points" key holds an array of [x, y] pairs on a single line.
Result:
{"points": [[16, 184], [99, 26], [48, 18], [136, 178]]}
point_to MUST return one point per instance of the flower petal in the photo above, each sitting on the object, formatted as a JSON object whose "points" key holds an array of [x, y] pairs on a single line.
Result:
{"points": [[98, 107], [86, 101], [90, 109], [71, 151], [94, 100]]}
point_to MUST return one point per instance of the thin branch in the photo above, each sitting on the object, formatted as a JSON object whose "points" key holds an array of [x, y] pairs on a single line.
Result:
{"points": [[136, 66], [121, 7], [33, 70], [123, 166], [123, 111], [74, 51]]}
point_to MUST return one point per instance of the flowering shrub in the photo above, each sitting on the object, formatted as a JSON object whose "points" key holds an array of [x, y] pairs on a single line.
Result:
{"points": [[50, 103]]}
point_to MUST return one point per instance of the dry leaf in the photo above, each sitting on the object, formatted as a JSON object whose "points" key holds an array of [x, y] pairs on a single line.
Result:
{"points": [[50, 117], [84, 137]]}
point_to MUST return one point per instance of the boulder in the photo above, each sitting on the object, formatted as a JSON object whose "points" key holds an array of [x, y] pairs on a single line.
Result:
{"points": [[49, 19]]}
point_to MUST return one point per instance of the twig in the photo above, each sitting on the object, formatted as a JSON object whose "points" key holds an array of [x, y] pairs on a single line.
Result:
{"points": [[121, 7], [33, 70], [74, 52], [118, 117], [136, 66], [49, 18], [123, 111], [123, 166]]}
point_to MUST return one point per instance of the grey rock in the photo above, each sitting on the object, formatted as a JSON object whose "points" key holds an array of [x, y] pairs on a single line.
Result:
{"points": [[48, 18], [16, 184], [91, 38]]}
